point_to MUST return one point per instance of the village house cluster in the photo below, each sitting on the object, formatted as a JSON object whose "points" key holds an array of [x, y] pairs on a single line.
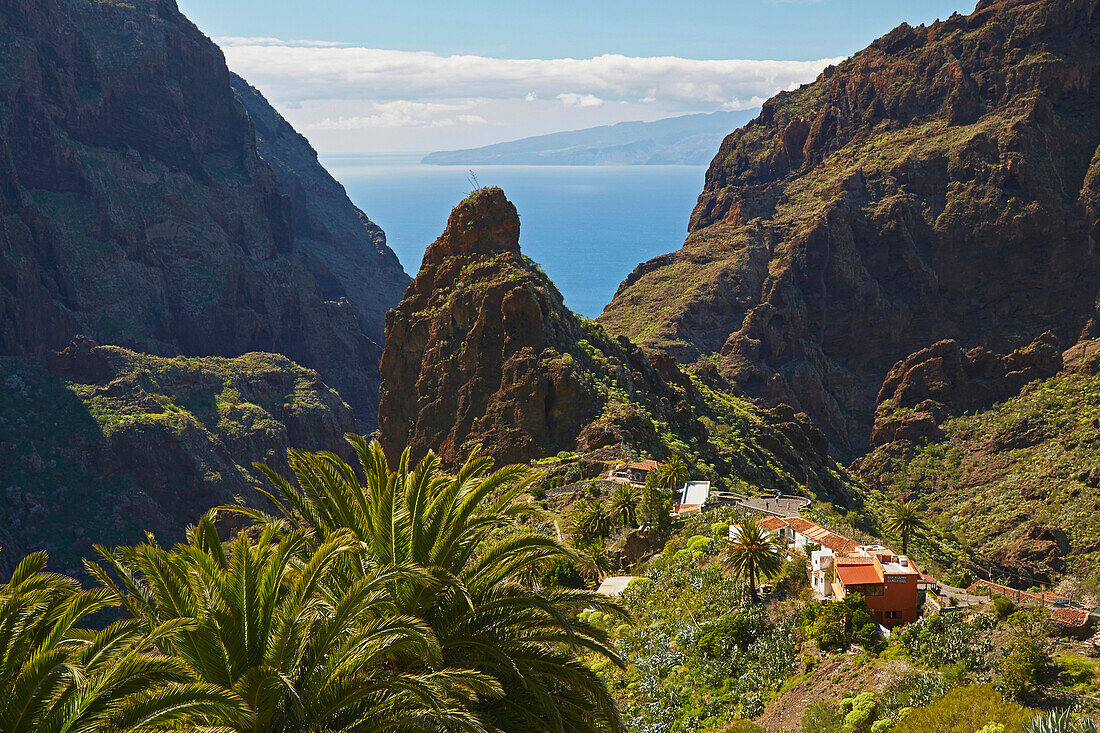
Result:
{"points": [[891, 584]]}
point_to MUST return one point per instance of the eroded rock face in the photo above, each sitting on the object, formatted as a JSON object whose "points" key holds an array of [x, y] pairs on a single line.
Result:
{"points": [[1015, 469], [940, 184], [482, 352], [136, 209], [469, 354], [930, 385]]}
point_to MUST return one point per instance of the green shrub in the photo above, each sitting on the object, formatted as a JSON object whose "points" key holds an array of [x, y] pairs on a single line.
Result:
{"points": [[870, 638], [561, 573], [965, 710], [752, 705], [861, 712], [822, 717], [1003, 606]]}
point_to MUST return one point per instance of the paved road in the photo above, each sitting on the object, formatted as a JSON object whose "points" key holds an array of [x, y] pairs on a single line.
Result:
{"points": [[787, 506]]}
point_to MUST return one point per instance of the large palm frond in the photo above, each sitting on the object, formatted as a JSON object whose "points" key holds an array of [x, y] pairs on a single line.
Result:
{"points": [[462, 530]]}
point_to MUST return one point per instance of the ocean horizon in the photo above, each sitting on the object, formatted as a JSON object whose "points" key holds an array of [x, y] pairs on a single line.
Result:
{"points": [[587, 226]]}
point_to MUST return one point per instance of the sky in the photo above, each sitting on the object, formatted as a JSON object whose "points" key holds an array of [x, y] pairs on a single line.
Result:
{"points": [[416, 76]]}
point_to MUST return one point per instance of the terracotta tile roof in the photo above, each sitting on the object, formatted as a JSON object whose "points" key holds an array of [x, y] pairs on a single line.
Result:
{"points": [[828, 538], [773, 523], [858, 574], [1069, 617], [647, 465]]}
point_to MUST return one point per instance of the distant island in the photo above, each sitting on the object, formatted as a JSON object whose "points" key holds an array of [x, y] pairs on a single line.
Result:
{"points": [[685, 140]]}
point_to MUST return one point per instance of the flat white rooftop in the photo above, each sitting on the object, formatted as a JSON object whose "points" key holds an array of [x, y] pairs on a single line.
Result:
{"points": [[696, 492]]}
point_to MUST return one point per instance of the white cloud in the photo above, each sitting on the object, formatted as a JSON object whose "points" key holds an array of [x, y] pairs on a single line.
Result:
{"points": [[572, 99], [352, 98], [316, 70], [403, 113]]}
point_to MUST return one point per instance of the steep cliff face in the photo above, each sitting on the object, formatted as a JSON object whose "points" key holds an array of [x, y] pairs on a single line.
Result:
{"points": [[940, 184], [344, 250], [104, 444], [135, 208], [944, 380], [482, 351]]}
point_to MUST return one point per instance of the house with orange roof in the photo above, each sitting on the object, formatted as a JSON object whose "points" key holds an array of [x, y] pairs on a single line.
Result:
{"points": [[839, 566], [634, 473]]}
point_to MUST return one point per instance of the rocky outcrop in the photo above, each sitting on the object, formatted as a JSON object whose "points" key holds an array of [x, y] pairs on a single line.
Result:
{"points": [[943, 380], [482, 352], [1001, 451], [940, 184], [135, 208], [105, 443]]}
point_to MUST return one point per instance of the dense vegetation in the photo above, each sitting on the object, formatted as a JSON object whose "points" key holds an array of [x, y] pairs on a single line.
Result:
{"points": [[378, 600]]}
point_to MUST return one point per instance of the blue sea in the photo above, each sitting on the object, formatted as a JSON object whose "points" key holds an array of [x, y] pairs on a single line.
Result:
{"points": [[588, 226]]}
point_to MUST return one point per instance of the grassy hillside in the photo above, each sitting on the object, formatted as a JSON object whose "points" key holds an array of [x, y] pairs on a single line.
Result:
{"points": [[114, 443]]}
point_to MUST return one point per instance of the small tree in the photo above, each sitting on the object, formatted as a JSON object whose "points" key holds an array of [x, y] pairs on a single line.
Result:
{"points": [[656, 504], [1028, 660]]}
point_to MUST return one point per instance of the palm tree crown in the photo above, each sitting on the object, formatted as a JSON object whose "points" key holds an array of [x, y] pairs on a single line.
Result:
{"points": [[481, 603], [56, 677], [625, 501], [269, 621], [905, 518], [753, 554]]}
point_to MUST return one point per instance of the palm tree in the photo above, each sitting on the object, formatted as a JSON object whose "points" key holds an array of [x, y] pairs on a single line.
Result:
{"points": [[57, 677], [672, 472], [589, 518], [268, 621], [624, 504], [905, 518], [753, 554], [482, 604]]}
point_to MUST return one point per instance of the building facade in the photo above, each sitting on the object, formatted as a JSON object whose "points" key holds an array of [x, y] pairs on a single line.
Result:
{"points": [[889, 583]]}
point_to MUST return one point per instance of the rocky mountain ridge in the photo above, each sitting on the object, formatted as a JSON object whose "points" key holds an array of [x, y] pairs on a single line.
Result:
{"points": [[1002, 450], [940, 184], [137, 210], [483, 352]]}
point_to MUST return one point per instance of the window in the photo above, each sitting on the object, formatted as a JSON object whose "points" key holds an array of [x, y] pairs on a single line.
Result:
{"points": [[892, 615]]}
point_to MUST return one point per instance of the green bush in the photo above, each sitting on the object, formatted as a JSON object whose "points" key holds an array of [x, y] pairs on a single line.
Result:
{"points": [[561, 573], [1003, 606], [861, 714], [752, 705], [822, 717], [870, 638], [965, 710]]}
